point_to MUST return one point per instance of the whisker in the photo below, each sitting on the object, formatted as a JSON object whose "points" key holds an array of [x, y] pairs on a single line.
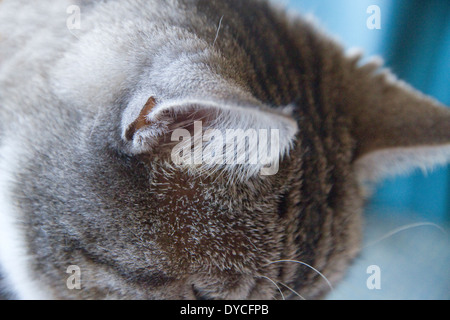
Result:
{"points": [[250, 241], [307, 265], [276, 285], [406, 227], [292, 290], [218, 30]]}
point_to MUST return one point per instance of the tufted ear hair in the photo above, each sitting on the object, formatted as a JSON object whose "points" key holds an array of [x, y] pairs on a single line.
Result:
{"points": [[398, 129], [245, 138]]}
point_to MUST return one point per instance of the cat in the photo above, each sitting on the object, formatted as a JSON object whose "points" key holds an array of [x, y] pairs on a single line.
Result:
{"points": [[87, 122]]}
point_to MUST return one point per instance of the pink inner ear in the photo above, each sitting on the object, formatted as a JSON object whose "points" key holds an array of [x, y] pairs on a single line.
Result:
{"points": [[141, 120]]}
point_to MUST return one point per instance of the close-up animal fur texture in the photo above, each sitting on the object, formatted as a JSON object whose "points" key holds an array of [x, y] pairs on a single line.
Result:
{"points": [[87, 180]]}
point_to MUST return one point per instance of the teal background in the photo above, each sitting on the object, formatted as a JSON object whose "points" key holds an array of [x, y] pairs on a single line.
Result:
{"points": [[414, 41]]}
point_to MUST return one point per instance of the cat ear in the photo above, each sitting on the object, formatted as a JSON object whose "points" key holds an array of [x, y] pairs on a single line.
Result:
{"points": [[204, 135], [398, 129]]}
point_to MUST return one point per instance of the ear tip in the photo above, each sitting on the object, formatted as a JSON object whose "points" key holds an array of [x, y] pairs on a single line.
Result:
{"points": [[142, 120]]}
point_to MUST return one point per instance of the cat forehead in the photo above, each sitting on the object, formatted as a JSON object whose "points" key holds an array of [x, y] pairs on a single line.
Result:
{"points": [[222, 225]]}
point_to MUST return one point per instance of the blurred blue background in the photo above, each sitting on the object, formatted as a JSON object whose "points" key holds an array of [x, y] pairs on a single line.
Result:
{"points": [[414, 41]]}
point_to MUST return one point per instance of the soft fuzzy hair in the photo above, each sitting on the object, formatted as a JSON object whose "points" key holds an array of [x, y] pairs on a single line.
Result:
{"points": [[85, 173]]}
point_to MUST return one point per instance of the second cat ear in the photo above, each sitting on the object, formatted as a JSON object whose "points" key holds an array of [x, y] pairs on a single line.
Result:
{"points": [[398, 129], [211, 134]]}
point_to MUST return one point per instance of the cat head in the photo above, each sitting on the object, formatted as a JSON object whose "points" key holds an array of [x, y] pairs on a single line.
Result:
{"points": [[221, 169]]}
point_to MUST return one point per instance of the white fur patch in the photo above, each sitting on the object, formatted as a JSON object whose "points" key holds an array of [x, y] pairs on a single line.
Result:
{"points": [[396, 161], [13, 253]]}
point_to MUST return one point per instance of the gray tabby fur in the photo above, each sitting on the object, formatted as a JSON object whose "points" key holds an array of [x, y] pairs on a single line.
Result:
{"points": [[74, 190]]}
